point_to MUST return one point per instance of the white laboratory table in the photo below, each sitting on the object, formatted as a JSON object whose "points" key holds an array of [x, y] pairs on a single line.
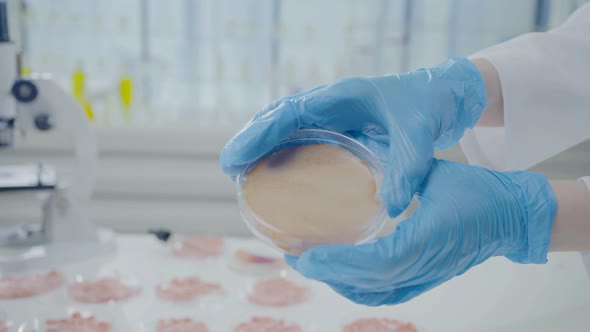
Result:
{"points": [[495, 296]]}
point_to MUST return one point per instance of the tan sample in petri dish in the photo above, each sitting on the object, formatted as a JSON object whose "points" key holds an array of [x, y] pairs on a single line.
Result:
{"points": [[305, 195]]}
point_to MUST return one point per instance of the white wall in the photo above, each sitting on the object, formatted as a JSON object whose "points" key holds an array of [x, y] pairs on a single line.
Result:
{"points": [[203, 51]]}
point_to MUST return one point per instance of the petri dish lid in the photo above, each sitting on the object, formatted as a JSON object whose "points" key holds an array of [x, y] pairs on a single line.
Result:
{"points": [[295, 244]]}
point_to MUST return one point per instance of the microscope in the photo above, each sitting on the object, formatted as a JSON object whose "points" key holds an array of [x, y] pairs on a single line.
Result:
{"points": [[65, 234]]}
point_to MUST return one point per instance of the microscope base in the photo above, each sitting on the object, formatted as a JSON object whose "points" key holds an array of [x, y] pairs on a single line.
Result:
{"points": [[52, 255]]}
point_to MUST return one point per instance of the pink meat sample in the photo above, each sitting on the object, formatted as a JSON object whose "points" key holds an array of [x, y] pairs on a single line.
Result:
{"points": [[3, 327], [180, 325], [267, 324], [198, 247], [77, 323], [102, 290], [27, 286], [278, 292], [186, 289], [248, 257], [378, 325]]}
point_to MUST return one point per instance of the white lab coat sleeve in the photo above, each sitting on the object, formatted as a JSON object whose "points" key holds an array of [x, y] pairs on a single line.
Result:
{"points": [[545, 80], [586, 255]]}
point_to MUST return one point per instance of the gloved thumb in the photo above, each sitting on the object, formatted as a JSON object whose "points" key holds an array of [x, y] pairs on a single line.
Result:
{"points": [[408, 163]]}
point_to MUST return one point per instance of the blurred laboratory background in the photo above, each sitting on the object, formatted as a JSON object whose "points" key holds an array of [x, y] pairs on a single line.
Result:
{"points": [[166, 83]]}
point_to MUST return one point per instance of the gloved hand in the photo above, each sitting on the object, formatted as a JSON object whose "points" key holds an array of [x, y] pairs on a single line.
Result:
{"points": [[412, 113], [466, 215]]}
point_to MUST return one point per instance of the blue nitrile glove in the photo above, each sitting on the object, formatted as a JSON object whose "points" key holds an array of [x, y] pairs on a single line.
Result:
{"points": [[412, 113], [466, 215]]}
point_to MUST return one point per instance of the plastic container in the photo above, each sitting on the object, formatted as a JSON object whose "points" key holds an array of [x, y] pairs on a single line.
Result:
{"points": [[30, 285], [103, 289], [198, 247], [256, 259], [378, 323], [295, 244], [175, 323], [184, 290], [58, 318], [277, 292], [270, 322]]}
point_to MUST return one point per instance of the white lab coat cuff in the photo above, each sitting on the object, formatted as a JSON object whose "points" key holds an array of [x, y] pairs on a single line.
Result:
{"points": [[544, 79], [485, 147], [586, 255]]}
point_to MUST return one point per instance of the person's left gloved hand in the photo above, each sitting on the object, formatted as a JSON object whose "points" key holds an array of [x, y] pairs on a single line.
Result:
{"points": [[411, 113], [467, 214]]}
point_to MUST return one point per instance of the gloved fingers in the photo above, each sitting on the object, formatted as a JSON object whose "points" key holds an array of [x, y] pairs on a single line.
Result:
{"points": [[377, 298], [375, 143], [409, 160], [271, 106], [350, 292], [338, 107], [420, 251], [322, 107], [364, 298], [291, 261], [259, 136], [374, 265], [335, 263], [274, 123]]}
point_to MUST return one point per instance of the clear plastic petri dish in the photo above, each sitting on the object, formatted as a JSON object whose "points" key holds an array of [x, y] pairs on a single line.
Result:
{"points": [[277, 292], [31, 284], [376, 323], [279, 234], [103, 289], [254, 261], [270, 322], [74, 321], [175, 323], [197, 247]]}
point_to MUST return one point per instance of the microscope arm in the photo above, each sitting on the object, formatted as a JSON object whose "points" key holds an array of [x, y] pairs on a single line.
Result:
{"points": [[43, 105], [53, 108]]}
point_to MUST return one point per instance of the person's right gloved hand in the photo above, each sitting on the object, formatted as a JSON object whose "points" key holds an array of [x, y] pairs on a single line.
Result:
{"points": [[466, 215], [411, 113]]}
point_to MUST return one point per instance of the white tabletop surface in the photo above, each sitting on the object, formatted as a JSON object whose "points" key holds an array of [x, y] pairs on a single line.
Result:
{"points": [[495, 296]]}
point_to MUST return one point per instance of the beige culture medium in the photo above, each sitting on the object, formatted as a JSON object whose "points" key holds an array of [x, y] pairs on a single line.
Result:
{"points": [[317, 187]]}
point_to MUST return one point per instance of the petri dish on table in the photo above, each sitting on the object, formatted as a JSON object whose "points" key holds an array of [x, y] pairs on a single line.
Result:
{"points": [[382, 324], [266, 323], [73, 322], [186, 289], [198, 246], [316, 187], [181, 324], [256, 259], [104, 289], [30, 285], [278, 292]]}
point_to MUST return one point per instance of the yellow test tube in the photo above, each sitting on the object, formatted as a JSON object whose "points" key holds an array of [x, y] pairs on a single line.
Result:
{"points": [[88, 108], [126, 93], [78, 90], [78, 82]]}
